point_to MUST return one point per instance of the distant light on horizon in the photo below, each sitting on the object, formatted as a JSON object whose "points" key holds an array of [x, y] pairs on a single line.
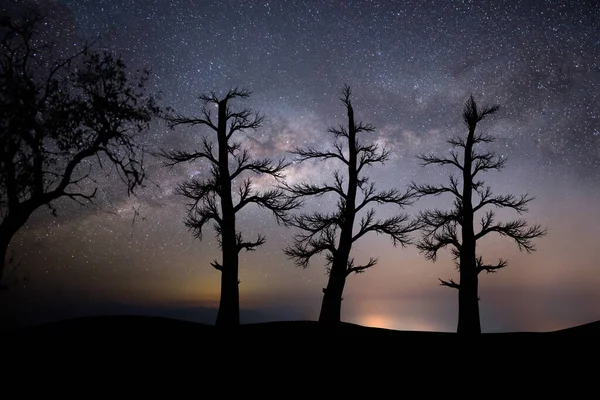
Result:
{"points": [[386, 321]]}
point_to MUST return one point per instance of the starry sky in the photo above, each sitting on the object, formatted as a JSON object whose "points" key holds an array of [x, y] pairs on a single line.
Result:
{"points": [[411, 66]]}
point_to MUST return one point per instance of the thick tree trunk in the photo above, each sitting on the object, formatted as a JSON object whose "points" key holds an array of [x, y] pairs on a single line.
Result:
{"points": [[468, 299], [9, 227], [331, 306], [468, 302], [229, 305]]}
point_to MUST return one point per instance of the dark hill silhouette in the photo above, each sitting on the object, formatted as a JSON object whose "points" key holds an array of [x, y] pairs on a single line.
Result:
{"points": [[590, 329], [162, 346], [125, 327]]}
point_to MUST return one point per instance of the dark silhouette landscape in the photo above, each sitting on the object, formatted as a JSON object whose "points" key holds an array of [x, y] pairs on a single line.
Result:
{"points": [[132, 328]]}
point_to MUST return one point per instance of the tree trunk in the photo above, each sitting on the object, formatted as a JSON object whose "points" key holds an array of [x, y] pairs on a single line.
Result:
{"points": [[331, 307], [468, 302], [229, 305], [9, 227]]}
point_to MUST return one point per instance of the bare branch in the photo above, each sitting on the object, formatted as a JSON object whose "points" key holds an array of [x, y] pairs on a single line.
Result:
{"points": [[89, 198], [434, 160], [197, 189], [212, 97], [317, 233], [450, 283], [215, 264], [428, 190], [306, 189], [361, 127], [457, 142], [263, 166], [243, 120], [519, 204], [308, 245], [249, 245], [486, 162], [439, 230], [339, 132], [369, 155], [359, 269], [274, 200], [490, 269], [202, 207], [175, 119], [392, 196], [483, 138], [175, 157], [517, 230], [197, 218], [312, 153], [236, 93], [472, 114], [397, 227]]}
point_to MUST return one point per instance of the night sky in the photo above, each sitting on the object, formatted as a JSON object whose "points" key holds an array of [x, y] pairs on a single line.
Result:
{"points": [[411, 66]]}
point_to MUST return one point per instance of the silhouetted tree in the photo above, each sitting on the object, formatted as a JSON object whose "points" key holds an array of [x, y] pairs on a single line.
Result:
{"points": [[221, 195], [455, 228], [59, 118], [334, 233]]}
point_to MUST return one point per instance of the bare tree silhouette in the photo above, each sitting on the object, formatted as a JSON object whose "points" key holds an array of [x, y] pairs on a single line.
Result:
{"points": [[219, 197], [334, 233], [59, 119], [455, 228]]}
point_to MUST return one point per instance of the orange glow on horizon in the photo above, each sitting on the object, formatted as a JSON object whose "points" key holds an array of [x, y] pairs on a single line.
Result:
{"points": [[376, 320], [390, 322]]}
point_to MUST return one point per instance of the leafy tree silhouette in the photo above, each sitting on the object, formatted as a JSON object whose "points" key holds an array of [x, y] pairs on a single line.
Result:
{"points": [[334, 233], [455, 228], [59, 119], [219, 197]]}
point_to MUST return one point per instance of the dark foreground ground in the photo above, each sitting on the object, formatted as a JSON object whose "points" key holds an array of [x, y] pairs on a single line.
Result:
{"points": [[283, 341], [125, 327], [122, 350], [139, 328]]}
